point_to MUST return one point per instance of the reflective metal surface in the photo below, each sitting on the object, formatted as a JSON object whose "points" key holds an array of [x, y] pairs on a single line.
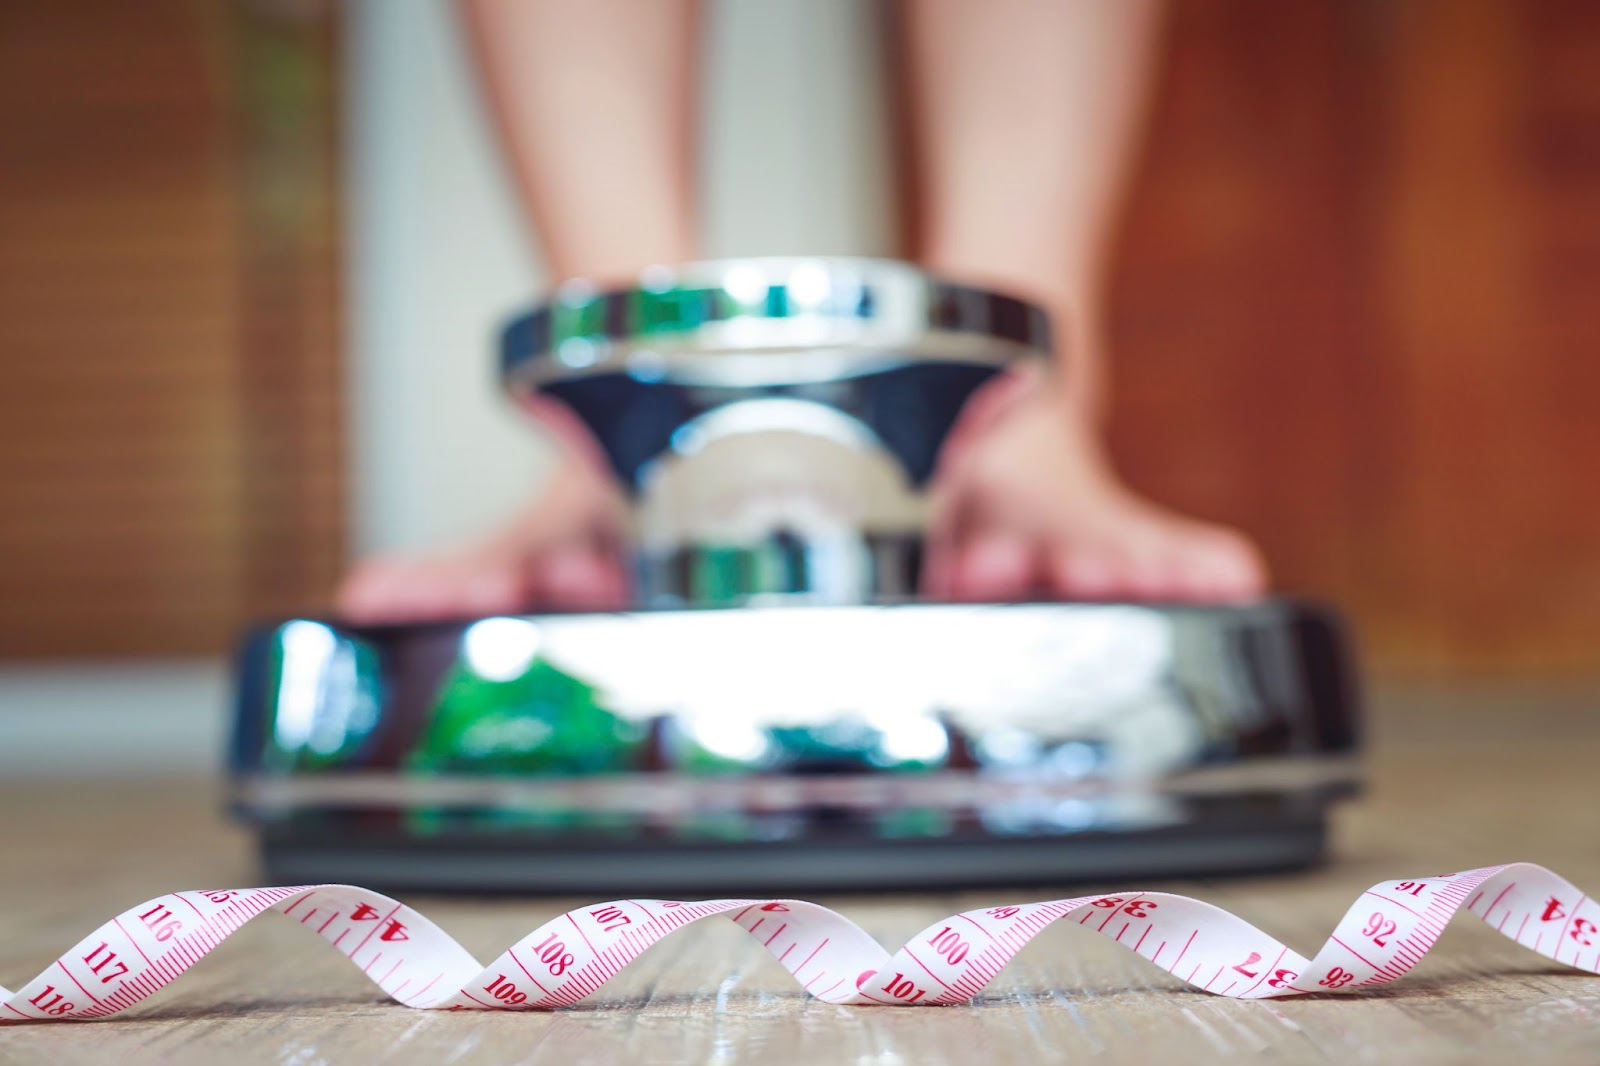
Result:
{"points": [[530, 752], [776, 424], [768, 321], [775, 421]]}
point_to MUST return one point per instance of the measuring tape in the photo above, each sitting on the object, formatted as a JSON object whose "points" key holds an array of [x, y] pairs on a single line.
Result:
{"points": [[1382, 936]]}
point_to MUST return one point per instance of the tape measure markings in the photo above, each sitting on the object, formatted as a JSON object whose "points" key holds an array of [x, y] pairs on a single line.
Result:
{"points": [[1385, 932]]}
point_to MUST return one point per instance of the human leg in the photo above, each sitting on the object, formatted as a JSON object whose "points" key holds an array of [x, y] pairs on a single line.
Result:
{"points": [[1026, 118]]}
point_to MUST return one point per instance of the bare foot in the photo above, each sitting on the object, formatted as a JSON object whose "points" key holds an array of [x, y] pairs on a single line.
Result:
{"points": [[1026, 503], [565, 551]]}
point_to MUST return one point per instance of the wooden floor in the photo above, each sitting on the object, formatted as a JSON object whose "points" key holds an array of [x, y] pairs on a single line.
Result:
{"points": [[1456, 782]]}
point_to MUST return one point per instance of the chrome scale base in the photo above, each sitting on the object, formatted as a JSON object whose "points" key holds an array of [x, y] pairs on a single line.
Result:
{"points": [[796, 749], [779, 715]]}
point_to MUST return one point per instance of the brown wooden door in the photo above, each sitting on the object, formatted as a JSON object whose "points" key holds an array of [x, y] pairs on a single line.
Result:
{"points": [[1355, 313]]}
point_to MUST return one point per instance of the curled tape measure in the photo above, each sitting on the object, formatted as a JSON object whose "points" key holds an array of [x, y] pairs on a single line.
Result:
{"points": [[1382, 936]]}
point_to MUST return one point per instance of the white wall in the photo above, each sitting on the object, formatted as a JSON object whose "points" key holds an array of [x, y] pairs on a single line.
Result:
{"points": [[793, 161], [113, 720], [794, 158]]}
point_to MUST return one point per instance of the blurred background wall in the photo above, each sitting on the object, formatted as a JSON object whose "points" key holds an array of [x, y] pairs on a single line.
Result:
{"points": [[250, 255]]}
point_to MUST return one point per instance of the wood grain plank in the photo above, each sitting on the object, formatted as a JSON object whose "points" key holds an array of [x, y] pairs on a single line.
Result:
{"points": [[1456, 780]]}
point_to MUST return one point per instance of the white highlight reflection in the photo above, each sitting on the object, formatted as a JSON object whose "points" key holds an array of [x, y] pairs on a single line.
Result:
{"points": [[772, 415], [914, 739], [1033, 686], [577, 352], [500, 649], [809, 286], [307, 649], [731, 738], [745, 283]]}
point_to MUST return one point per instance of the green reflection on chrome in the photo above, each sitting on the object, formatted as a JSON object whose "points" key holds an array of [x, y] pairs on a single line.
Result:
{"points": [[542, 721], [530, 818], [914, 822], [668, 311], [324, 697]]}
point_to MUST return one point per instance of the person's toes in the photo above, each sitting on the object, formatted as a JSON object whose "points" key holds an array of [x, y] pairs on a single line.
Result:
{"points": [[375, 591], [1144, 570], [435, 589], [398, 589], [489, 587], [1223, 565], [937, 580], [579, 578], [992, 566], [1081, 572]]}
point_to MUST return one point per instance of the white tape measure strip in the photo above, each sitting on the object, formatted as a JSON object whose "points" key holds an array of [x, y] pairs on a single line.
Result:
{"points": [[1383, 935]]}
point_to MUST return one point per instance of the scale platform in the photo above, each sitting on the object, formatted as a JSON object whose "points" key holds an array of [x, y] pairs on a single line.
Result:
{"points": [[793, 749]]}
